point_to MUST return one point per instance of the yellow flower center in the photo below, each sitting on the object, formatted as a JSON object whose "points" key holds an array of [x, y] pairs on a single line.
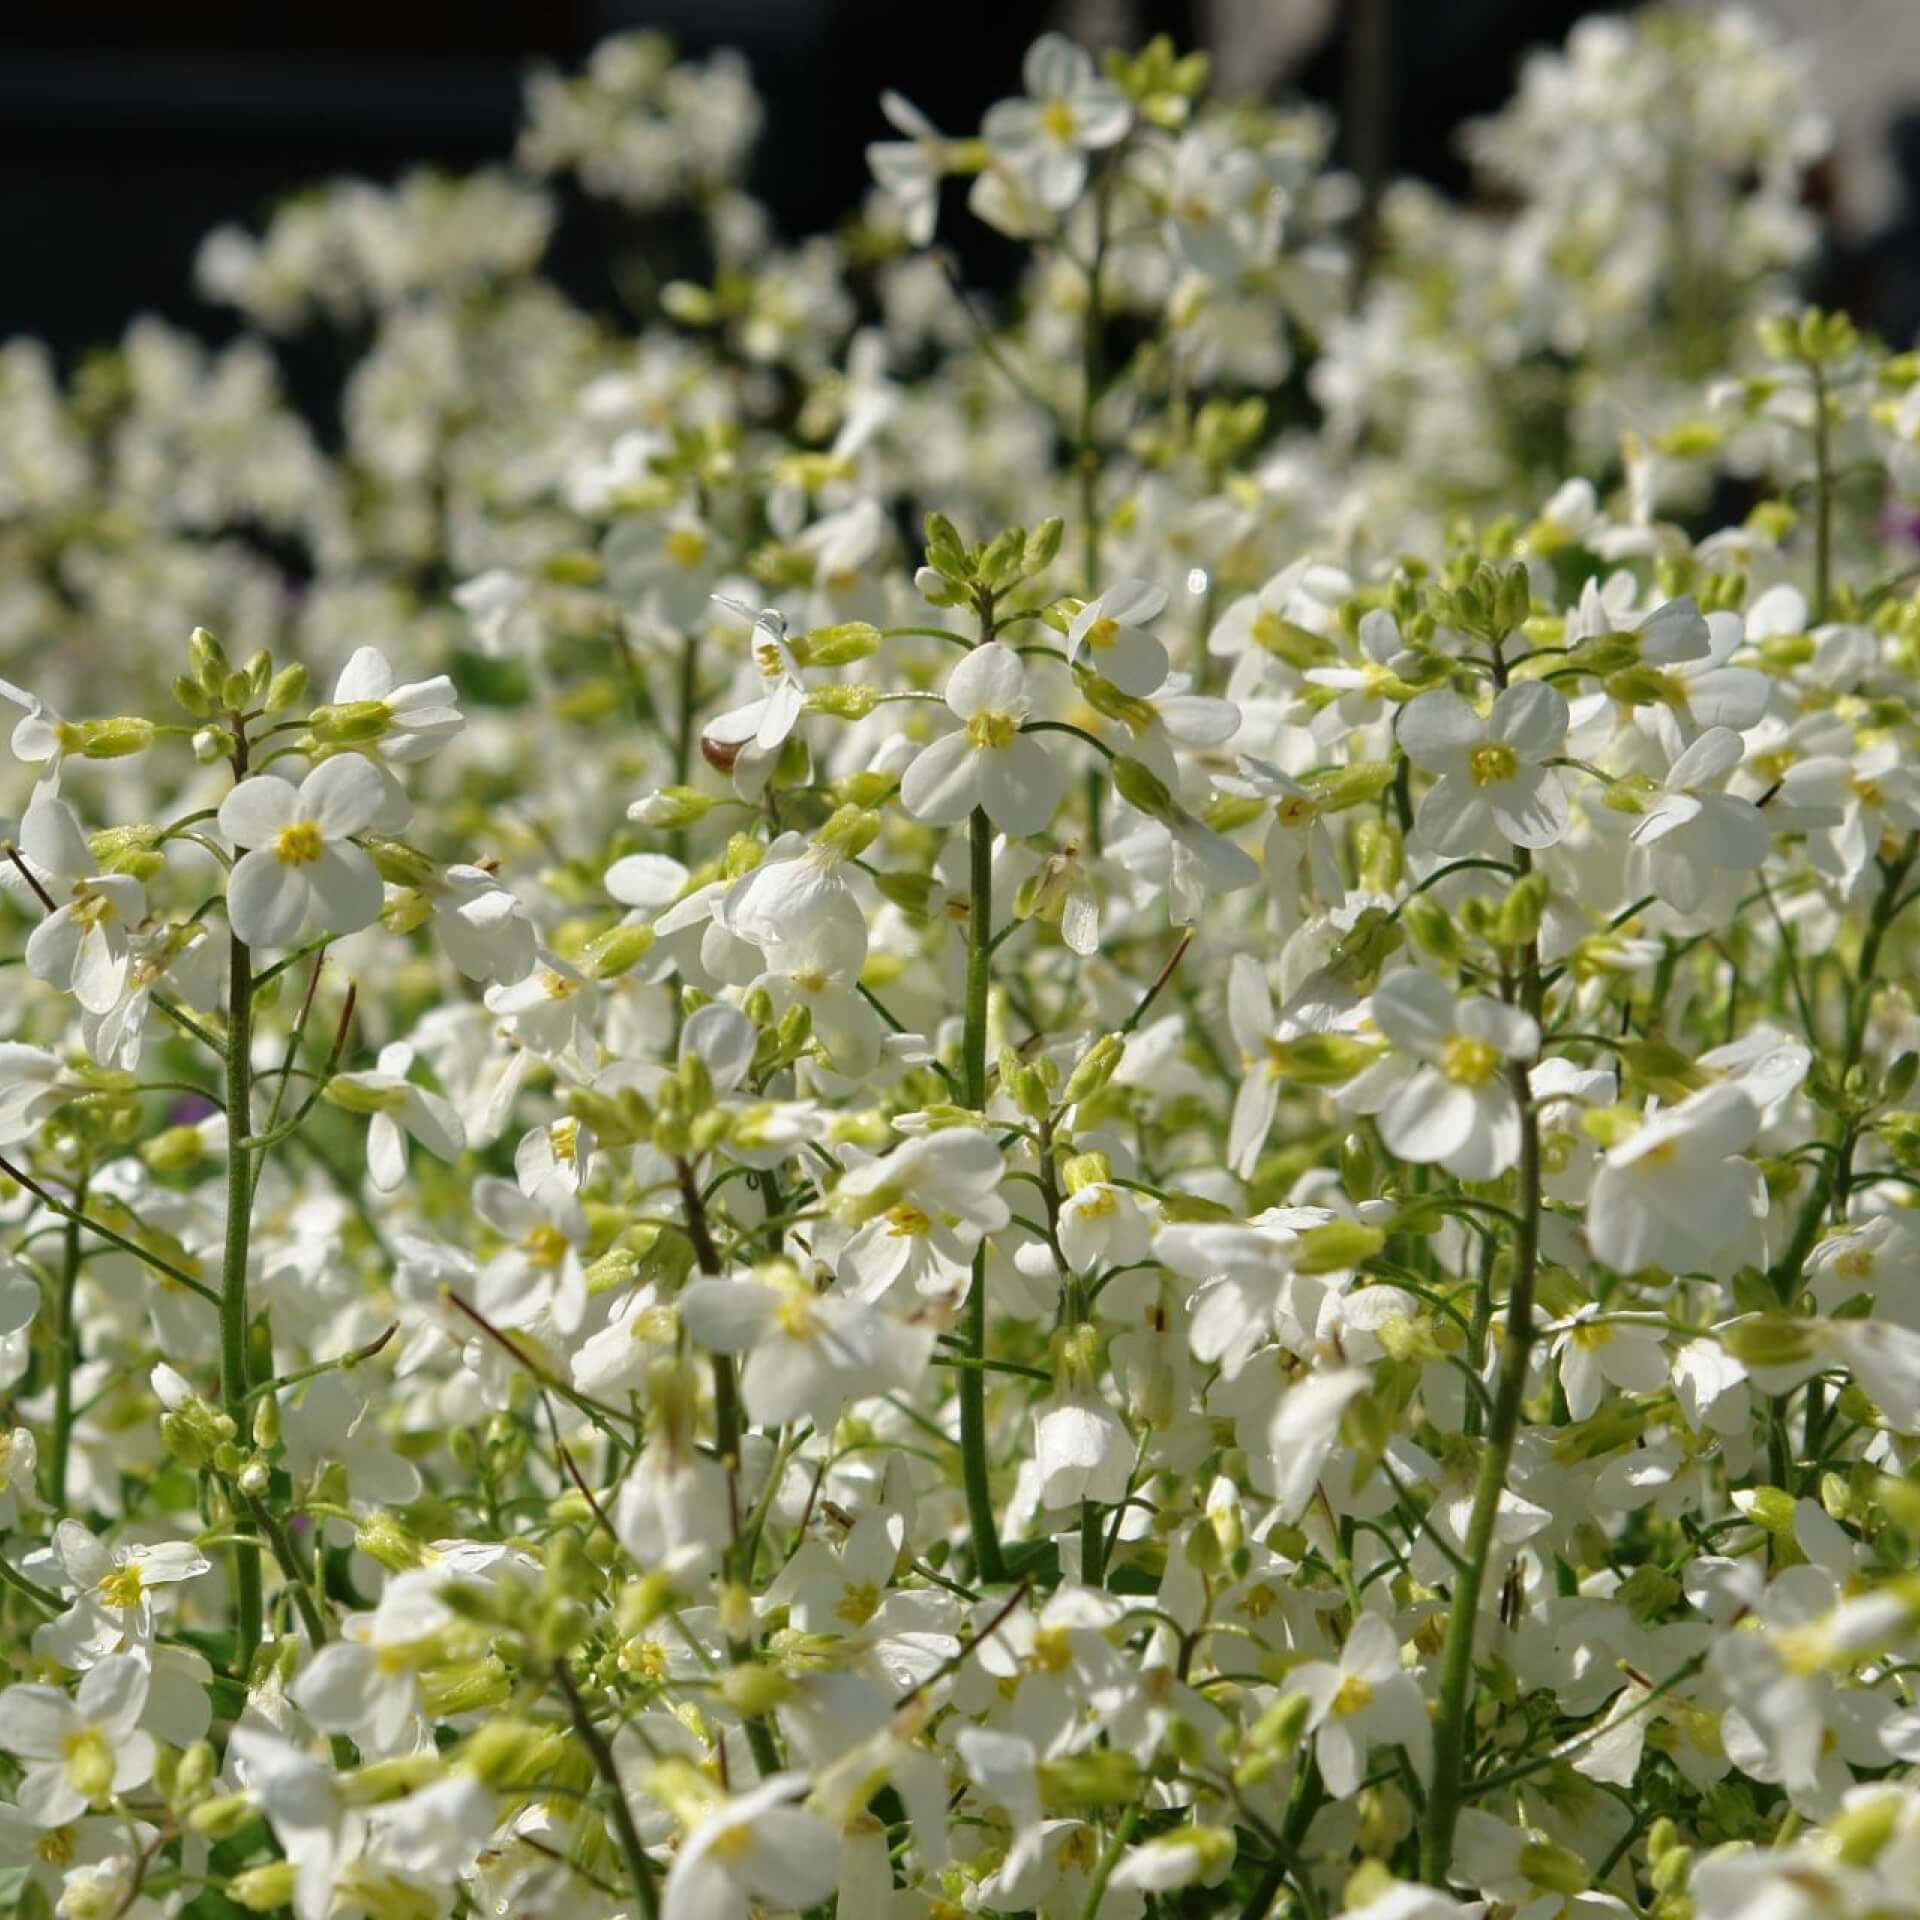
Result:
{"points": [[731, 1843], [1103, 633], [794, 1317], [91, 909], [992, 729], [299, 845], [545, 1245], [1052, 1650], [565, 1135], [1855, 1264], [57, 1847], [686, 547], [1057, 118], [122, 1587], [858, 1603], [88, 1760], [1077, 1851], [1469, 1063], [766, 657], [556, 986], [906, 1221], [1490, 765], [1354, 1694], [1590, 1335]]}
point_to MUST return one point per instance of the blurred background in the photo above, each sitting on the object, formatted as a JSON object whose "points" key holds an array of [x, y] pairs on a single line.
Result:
{"points": [[129, 129]]}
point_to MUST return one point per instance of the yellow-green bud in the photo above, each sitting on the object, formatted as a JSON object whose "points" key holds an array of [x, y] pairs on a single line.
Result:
{"points": [[352, 723], [1094, 1069], [286, 688], [115, 739], [262, 1889], [616, 951], [222, 1818], [1336, 1246], [1141, 788], [1557, 1869]]}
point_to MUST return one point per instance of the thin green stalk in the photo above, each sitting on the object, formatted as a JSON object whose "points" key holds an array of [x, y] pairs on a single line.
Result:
{"points": [[66, 1351], [233, 1275], [1453, 1719], [973, 1380], [1823, 497], [639, 1867]]}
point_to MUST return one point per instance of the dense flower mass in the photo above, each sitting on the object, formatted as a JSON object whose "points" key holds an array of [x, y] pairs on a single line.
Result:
{"points": [[881, 1103]]}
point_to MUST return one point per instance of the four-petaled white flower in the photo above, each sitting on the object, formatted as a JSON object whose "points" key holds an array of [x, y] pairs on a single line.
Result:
{"points": [[300, 862], [1492, 778], [82, 1750], [1069, 113], [1459, 1107], [990, 763], [82, 945]]}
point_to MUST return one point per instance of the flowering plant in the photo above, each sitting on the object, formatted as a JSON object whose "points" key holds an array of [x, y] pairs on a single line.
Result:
{"points": [[1037, 1135]]}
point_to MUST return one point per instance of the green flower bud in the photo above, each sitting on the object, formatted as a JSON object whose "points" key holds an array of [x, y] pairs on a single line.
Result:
{"points": [[848, 700], [262, 1889], [1141, 788], [1554, 1869], [1095, 1068], [1769, 1340], [839, 646], [353, 723], [192, 696], [222, 1818], [1337, 1246], [286, 688], [619, 950], [117, 738]]}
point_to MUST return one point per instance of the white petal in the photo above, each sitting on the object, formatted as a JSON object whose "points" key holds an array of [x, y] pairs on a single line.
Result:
{"points": [[1437, 729], [342, 795], [1020, 785], [267, 899], [942, 785], [1531, 718], [255, 811], [347, 894], [989, 680]]}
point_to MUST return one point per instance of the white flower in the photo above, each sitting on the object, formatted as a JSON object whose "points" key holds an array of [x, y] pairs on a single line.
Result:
{"points": [[81, 946], [989, 763], [1110, 632], [910, 171], [1459, 1107], [1081, 1449], [807, 1354], [754, 1848], [80, 1750], [400, 1109], [1365, 1699], [1676, 1195], [1691, 833], [763, 723], [1069, 113], [401, 724], [1492, 780], [302, 862], [1595, 1353]]}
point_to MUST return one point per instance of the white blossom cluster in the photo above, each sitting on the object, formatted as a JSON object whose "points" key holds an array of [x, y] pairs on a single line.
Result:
{"points": [[879, 1105]]}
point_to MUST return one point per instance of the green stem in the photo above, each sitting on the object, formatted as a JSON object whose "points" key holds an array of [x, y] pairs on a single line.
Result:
{"points": [[639, 1867], [66, 1349], [1452, 1722], [973, 1380], [233, 1274], [1823, 497]]}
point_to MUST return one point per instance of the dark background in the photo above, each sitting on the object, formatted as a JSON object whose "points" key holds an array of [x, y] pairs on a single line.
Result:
{"points": [[129, 128]]}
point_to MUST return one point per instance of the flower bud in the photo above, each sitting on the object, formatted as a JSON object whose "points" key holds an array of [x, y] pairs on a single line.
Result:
{"points": [[262, 1889], [1095, 1068], [1554, 1869], [286, 687]]}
